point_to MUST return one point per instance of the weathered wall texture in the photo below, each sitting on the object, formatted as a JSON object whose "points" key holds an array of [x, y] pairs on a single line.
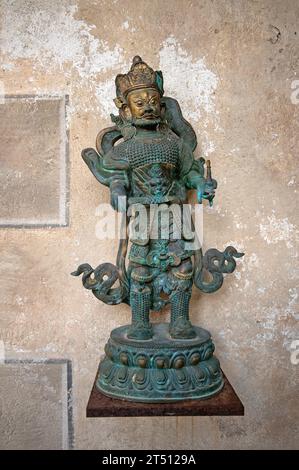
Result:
{"points": [[34, 405], [231, 65]]}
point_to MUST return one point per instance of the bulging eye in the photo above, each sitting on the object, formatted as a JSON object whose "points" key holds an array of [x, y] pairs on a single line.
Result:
{"points": [[153, 101], [139, 104]]}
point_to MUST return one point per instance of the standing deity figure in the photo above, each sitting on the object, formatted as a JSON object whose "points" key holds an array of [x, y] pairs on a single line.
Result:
{"points": [[146, 159]]}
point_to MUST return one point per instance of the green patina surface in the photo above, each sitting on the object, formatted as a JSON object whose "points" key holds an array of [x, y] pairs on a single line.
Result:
{"points": [[162, 370]]}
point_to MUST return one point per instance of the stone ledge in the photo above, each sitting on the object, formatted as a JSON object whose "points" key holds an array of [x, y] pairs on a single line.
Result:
{"points": [[225, 403]]}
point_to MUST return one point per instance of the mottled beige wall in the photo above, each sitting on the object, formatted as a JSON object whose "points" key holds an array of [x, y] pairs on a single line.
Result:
{"points": [[231, 64]]}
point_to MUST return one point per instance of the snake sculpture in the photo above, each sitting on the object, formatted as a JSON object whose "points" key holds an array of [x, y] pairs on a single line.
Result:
{"points": [[102, 279], [216, 263]]}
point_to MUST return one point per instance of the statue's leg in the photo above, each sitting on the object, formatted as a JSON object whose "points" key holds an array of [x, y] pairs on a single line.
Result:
{"points": [[140, 301], [180, 325]]}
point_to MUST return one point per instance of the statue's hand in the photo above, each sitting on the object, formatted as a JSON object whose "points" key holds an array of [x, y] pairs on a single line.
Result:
{"points": [[200, 189], [118, 197], [206, 190], [209, 190]]}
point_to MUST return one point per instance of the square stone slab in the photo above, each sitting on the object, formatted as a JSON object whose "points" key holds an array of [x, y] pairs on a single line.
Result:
{"points": [[33, 156], [35, 407]]}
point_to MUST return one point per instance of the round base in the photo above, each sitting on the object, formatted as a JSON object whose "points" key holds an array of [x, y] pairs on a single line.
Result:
{"points": [[161, 369]]}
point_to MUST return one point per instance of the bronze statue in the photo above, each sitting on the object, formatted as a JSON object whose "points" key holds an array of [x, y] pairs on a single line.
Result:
{"points": [[146, 159]]}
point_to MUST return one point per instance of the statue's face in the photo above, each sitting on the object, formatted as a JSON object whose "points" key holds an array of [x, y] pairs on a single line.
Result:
{"points": [[144, 107]]}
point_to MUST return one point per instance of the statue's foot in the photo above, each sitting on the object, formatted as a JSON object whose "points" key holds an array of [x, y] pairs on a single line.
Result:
{"points": [[182, 329], [140, 331]]}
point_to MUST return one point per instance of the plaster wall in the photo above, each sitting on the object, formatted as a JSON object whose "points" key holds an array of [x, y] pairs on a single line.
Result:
{"points": [[233, 66]]}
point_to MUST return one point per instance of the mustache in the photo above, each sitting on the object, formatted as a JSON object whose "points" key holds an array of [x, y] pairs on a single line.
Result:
{"points": [[150, 113], [144, 122]]}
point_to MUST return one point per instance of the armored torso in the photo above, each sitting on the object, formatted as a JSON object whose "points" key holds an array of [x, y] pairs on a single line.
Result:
{"points": [[153, 161], [156, 148]]}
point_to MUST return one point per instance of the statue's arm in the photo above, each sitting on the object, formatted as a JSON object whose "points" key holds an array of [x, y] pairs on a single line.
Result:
{"points": [[110, 173], [118, 195], [193, 175]]}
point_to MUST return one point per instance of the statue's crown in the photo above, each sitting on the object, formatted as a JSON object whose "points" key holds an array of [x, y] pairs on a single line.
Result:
{"points": [[140, 75]]}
